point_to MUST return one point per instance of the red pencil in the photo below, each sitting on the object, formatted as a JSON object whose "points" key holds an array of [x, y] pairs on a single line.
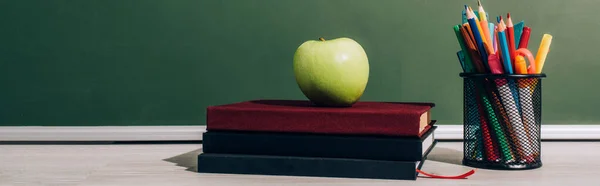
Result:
{"points": [[510, 37], [525, 37]]}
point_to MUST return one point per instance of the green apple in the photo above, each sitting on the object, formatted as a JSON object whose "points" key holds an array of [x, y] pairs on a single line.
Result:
{"points": [[331, 72]]}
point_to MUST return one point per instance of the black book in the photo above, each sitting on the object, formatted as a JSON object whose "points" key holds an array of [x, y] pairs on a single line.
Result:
{"points": [[319, 145], [308, 166]]}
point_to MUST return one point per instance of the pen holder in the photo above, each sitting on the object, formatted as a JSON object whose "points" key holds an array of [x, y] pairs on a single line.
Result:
{"points": [[502, 119]]}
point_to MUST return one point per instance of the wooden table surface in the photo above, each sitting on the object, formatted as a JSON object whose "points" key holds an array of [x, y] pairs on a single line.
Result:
{"points": [[174, 164]]}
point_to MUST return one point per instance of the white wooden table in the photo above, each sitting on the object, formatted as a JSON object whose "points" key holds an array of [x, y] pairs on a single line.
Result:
{"points": [[174, 164]]}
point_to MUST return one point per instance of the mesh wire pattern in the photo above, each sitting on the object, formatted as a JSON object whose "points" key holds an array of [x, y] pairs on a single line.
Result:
{"points": [[502, 119]]}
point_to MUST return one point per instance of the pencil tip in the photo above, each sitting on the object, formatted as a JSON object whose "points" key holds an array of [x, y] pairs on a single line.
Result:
{"points": [[509, 20], [508, 15], [478, 3]]}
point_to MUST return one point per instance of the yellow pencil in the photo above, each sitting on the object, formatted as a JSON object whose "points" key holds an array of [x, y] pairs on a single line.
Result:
{"points": [[542, 52]]}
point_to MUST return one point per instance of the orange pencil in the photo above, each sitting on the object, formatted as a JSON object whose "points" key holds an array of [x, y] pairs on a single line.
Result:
{"points": [[470, 44], [472, 50], [470, 33], [484, 24], [487, 47], [510, 37]]}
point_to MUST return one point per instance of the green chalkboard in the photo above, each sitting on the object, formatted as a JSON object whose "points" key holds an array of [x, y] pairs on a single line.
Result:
{"points": [[161, 62]]}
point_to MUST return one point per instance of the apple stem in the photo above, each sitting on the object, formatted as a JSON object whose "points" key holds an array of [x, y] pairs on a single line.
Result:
{"points": [[322, 39]]}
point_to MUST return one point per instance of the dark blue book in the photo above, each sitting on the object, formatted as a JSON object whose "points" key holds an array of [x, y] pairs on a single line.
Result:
{"points": [[308, 166], [319, 145]]}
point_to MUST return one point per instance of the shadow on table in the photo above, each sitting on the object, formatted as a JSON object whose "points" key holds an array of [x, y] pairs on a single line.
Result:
{"points": [[446, 155], [188, 160]]}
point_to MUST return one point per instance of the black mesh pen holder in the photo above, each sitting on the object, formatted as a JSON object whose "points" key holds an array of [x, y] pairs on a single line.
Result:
{"points": [[502, 119]]}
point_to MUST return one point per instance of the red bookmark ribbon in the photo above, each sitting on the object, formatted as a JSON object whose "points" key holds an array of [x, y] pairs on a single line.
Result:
{"points": [[462, 176]]}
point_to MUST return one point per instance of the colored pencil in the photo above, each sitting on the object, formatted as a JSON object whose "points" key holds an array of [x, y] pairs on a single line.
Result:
{"points": [[487, 46], [472, 51], [511, 49], [491, 30], [467, 65], [504, 48], [470, 33], [505, 126], [484, 25], [496, 42], [508, 65], [510, 33], [478, 39]]}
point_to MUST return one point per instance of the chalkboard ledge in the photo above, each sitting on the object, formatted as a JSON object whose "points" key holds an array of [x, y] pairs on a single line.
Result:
{"points": [[194, 133], [101, 133]]}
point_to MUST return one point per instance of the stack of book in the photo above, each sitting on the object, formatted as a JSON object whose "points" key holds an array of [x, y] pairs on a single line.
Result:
{"points": [[377, 140]]}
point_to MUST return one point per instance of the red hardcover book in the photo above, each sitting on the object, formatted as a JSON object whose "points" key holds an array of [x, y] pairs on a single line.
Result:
{"points": [[363, 118]]}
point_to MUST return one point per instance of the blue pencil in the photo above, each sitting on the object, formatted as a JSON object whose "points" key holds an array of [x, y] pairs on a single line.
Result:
{"points": [[507, 62], [504, 48], [478, 39]]}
